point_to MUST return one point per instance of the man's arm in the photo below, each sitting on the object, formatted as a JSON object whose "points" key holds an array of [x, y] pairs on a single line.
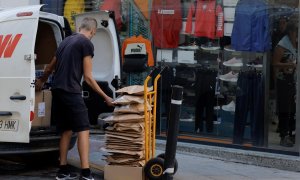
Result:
{"points": [[88, 77], [48, 70]]}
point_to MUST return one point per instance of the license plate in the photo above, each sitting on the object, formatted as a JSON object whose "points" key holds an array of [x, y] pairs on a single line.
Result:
{"points": [[9, 125]]}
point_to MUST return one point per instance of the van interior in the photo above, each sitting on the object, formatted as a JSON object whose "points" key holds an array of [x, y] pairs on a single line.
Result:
{"points": [[47, 39], [46, 43]]}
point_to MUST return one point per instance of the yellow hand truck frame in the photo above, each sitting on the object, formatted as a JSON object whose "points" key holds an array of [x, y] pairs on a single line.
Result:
{"points": [[150, 98], [154, 166]]}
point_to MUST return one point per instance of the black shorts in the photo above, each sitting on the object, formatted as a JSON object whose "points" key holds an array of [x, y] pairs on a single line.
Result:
{"points": [[69, 111]]}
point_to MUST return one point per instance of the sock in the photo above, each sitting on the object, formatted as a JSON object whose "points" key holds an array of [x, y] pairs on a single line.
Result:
{"points": [[64, 169], [86, 172]]}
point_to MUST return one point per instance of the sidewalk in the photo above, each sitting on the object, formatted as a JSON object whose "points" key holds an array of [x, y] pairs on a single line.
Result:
{"points": [[195, 166]]}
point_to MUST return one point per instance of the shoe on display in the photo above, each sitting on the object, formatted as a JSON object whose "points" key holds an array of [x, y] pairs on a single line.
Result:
{"points": [[230, 77], [210, 46], [229, 107], [257, 63], [286, 142], [186, 116], [191, 46], [229, 48], [234, 62]]}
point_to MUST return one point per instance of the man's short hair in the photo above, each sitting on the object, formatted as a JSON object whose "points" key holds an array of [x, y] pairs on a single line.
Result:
{"points": [[88, 23]]}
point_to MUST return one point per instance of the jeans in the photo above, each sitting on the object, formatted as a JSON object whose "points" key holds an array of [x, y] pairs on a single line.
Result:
{"points": [[286, 106], [205, 98], [249, 108]]}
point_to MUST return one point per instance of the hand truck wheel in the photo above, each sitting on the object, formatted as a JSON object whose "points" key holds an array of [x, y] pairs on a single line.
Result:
{"points": [[154, 169], [162, 155]]}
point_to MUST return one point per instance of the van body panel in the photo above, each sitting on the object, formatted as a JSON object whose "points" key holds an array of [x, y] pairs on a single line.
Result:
{"points": [[18, 29]]}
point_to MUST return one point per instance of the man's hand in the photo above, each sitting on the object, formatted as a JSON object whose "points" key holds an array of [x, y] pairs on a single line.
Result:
{"points": [[39, 85], [109, 101]]}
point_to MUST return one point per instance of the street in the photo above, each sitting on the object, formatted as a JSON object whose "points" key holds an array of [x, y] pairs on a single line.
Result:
{"points": [[191, 167], [32, 167]]}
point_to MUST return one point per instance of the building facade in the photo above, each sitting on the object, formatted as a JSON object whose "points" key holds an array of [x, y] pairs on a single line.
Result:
{"points": [[236, 59]]}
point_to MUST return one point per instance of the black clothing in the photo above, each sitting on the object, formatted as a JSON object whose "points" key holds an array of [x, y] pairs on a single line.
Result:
{"points": [[69, 66], [205, 99], [69, 111]]}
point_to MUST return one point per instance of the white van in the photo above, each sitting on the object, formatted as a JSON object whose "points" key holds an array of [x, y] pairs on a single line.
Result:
{"points": [[28, 39]]}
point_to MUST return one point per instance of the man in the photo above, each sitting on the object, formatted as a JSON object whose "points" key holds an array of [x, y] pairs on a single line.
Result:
{"points": [[72, 61], [284, 63]]}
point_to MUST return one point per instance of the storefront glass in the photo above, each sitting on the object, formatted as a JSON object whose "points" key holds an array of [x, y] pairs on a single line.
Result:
{"points": [[237, 63], [236, 59]]}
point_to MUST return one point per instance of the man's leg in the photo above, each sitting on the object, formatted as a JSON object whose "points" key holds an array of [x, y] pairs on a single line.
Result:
{"points": [[83, 145], [64, 146]]}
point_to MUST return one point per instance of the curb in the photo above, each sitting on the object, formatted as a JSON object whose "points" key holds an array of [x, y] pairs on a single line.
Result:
{"points": [[270, 160]]}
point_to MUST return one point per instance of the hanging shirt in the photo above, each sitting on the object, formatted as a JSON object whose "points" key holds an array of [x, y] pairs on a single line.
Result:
{"points": [[139, 39], [251, 27], [189, 20], [220, 21], [113, 5], [166, 23], [209, 19], [205, 25]]}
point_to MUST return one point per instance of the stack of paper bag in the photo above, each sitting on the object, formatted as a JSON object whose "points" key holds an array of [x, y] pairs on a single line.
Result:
{"points": [[125, 136]]}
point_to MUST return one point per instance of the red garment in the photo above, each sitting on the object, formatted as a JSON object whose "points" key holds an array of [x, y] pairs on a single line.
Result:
{"points": [[189, 21], [220, 21], [113, 5], [205, 25], [166, 23]]}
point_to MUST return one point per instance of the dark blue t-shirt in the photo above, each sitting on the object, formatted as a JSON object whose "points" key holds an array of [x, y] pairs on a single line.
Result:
{"points": [[69, 66]]}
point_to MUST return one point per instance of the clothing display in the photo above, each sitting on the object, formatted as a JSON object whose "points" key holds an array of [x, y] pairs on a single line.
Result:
{"points": [[249, 108], [205, 98], [251, 27], [136, 40], [209, 19], [166, 23]]}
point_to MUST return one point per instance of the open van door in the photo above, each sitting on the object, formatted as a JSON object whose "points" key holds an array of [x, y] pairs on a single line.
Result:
{"points": [[18, 29], [107, 59], [106, 62]]}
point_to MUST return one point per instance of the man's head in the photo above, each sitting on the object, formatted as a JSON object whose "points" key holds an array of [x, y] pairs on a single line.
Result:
{"points": [[88, 27]]}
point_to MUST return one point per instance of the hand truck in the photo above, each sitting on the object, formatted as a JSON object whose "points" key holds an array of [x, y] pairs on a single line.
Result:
{"points": [[164, 165]]}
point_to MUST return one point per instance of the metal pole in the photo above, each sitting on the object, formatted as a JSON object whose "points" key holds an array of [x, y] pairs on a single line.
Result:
{"points": [[170, 153]]}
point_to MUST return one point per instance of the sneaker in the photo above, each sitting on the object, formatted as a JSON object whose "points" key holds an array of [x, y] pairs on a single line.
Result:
{"points": [[190, 47], [234, 62], [90, 177], [231, 77], [257, 63], [229, 48], [229, 107], [286, 142], [64, 176], [210, 46]]}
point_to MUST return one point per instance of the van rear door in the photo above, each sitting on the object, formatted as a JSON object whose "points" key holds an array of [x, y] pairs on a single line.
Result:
{"points": [[18, 29]]}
